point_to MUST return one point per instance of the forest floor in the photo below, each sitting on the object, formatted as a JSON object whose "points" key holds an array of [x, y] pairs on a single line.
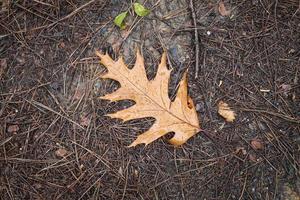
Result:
{"points": [[57, 143]]}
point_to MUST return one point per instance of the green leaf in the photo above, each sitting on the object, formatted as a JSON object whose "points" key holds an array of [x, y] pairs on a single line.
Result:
{"points": [[140, 10], [119, 20]]}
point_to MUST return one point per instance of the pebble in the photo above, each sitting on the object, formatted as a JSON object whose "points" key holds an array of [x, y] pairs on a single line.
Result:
{"points": [[198, 107]]}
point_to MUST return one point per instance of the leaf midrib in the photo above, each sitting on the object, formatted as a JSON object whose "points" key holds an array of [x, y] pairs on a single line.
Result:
{"points": [[145, 94]]}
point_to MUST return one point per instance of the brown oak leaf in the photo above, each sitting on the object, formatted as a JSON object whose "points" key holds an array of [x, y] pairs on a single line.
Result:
{"points": [[151, 100]]}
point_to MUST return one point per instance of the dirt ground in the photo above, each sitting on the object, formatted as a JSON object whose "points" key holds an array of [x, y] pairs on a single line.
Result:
{"points": [[57, 143]]}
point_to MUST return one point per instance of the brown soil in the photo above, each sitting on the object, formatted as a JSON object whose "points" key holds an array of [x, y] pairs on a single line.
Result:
{"points": [[57, 143]]}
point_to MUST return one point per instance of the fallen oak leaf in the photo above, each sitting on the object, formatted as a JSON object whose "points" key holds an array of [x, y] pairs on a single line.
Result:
{"points": [[225, 111], [151, 100]]}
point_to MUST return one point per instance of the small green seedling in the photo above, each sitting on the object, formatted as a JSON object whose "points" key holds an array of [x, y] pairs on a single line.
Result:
{"points": [[119, 20], [138, 8]]}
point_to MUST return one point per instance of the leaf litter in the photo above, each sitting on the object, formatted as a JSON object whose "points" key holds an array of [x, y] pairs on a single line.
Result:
{"points": [[283, 157]]}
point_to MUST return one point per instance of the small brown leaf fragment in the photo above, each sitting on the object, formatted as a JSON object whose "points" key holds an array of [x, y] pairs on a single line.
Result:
{"points": [[257, 144], [38, 186], [62, 45], [79, 92], [136, 173], [222, 9], [61, 152], [13, 128], [241, 149], [225, 111], [285, 88], [85, 121], [252, 158]]}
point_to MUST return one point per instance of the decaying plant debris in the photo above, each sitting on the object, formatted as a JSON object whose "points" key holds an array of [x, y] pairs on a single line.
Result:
{"points": [[50, 100]]}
